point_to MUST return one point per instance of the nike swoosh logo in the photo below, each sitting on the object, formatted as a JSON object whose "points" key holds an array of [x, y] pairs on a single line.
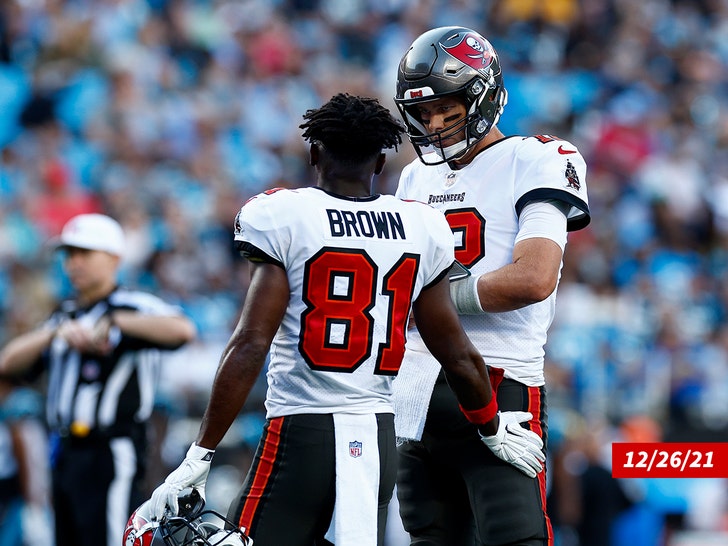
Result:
{"points": [[565, 152]]}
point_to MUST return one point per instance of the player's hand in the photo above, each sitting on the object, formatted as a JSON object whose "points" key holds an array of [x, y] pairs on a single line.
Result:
{"points": [[516, 445], [191, 473]]}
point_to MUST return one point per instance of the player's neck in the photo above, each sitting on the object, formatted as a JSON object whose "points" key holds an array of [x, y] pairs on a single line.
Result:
{"points": [[347, 187]]}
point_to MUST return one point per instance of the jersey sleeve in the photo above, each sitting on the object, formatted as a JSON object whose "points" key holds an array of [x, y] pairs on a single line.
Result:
{"points": [[545, 219], [261, 233], [553, 169]]}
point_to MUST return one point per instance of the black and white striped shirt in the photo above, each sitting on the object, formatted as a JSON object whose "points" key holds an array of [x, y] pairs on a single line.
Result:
{"points": [[108, 395]]}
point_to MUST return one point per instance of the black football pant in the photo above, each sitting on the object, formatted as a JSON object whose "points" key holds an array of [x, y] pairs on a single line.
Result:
{"points": [[288, 495], [453, 491]]}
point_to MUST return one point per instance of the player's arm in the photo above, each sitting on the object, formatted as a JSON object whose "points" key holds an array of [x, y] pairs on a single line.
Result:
{"points": [[533, 273], [466, 373], [530, 278], [439, 325], [240, 364], [246, 350]]}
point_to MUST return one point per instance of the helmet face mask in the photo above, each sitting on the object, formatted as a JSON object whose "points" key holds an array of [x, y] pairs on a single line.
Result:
{"points": [[202, 530], [193, 526], [450, 62]]}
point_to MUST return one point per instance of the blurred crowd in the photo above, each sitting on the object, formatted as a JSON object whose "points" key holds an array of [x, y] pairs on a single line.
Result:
{"points": [[169, 114]]}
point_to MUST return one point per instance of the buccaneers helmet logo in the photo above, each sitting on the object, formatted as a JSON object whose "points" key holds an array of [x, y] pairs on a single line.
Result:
{"points": [[472, 51]]}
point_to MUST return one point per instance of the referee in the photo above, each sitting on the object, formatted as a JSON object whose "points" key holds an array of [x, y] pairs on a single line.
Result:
{"points": [[102, 352]]}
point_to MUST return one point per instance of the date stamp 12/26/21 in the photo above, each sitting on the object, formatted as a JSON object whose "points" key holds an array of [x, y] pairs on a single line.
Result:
{"points": [[670, 460]]}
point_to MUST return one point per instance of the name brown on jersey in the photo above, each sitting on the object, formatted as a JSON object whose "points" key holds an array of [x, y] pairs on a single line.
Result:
{"points": [[366, 223]]}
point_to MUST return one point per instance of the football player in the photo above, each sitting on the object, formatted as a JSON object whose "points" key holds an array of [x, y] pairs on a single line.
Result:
{"points": [[510, 201], [336, 271]]}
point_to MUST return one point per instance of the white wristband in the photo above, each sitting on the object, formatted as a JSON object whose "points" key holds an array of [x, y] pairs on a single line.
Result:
{"points": [[464, 294]]}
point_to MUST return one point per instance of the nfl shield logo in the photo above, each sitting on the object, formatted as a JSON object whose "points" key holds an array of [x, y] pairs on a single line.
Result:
{"points": [[355, 449]]}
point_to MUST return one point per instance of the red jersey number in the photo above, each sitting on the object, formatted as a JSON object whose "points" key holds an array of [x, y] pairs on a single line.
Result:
{"points": [[340, 290], [468, 226]]}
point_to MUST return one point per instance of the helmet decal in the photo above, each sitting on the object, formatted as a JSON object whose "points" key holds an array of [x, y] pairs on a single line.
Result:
{"points": [[472, 51], [419, 93]]}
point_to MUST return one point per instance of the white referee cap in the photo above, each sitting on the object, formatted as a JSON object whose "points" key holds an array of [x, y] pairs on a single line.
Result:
{"points": [[92, 232]]}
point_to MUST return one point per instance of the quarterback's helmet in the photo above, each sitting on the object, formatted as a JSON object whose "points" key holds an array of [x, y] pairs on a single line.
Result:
{"points": [[443, 62], [193, 526]]}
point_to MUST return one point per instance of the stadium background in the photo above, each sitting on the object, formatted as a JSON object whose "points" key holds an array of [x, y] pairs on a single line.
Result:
{"points": [[169, 114]]}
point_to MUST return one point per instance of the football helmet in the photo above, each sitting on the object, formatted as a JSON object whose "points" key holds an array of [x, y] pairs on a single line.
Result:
{"points": [[193, 526], [443, 62]]}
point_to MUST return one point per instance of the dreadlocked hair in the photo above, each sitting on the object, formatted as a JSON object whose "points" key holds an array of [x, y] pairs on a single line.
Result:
{"points": [[352, 128]]}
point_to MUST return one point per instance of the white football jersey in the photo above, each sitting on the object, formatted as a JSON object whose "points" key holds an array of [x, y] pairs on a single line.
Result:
{"points": [[482, 203], [354, 267]]}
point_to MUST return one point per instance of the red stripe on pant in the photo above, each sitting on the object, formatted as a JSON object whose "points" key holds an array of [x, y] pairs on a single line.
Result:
{"points": [[535, 406], [263, 472]]}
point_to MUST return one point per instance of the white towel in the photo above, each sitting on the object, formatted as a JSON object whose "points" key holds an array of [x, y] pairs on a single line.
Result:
{"points": [[412, 389], [354, 522]]}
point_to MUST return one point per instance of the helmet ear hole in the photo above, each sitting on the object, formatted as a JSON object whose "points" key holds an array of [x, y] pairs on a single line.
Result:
{"points": [[475, 89]]}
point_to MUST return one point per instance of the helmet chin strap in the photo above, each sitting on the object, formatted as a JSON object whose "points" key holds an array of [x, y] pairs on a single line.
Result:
{"points": [[451, 152]]}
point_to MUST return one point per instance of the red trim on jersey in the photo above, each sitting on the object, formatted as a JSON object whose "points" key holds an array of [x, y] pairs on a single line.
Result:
{"points": [[535, 406], [263, 472]]}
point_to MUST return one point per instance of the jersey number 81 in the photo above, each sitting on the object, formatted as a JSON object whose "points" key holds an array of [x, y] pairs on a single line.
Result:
{"points": [[340, 290]]}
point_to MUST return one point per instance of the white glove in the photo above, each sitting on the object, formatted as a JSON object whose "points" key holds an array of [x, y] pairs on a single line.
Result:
{"points": [[191, 473], [516, 445]]}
